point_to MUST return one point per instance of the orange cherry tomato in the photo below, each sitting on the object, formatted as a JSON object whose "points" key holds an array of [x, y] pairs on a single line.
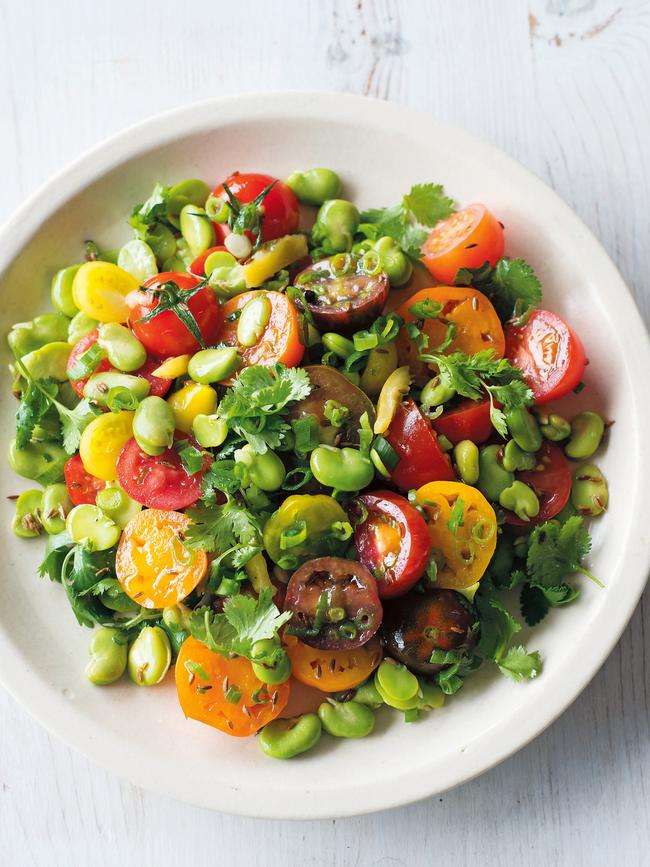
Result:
{"points": [[462, 543], [224, 693], [477, 325], [152, 564], [467, 239], [281, 338], [332, 670]]}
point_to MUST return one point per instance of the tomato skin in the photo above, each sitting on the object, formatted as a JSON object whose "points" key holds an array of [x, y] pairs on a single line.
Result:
{"points": [[410, 548], [159, 385], [552, 484], [165, 335], [421, 458], [197, 267], [159, 482], [549, 354], [210, 706], [82, 487], [332, 670], [281, 211], [467, 420], [281, 338], [467, 239]]}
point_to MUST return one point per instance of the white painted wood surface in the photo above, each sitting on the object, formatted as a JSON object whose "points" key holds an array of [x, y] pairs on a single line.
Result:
{"points": [[562, 85]]}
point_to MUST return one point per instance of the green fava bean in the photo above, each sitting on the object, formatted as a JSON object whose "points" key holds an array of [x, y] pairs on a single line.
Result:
{"points": [[176, 622], [466, 455], [339, 345], [90, 527], [394, 261], [50, 361], [197, 229], [521, 500], [435, 393], [524, 429], [382, 361], [26, 337], [123, 349], [336, 223], [367, 694], [99, 385], [272, 674], [347, 719], [492, 478], [315, 186], [117, 505], [254, 318], [154, 425], [107, 656], [412, 703], [553, 426], [286, 738], [150, 656], [27, 522], [396, 681], [589, 491], [266, 471], [214, 365], [345, 469], [587, 430], [41, 461], [138, 259], [515, 458], [56, 506], [432, 696], [189, 192], [61, 291], [209, 431], [80, 326]]}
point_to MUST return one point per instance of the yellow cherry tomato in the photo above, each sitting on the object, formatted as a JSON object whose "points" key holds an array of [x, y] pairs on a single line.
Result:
{"points": [[99, 289], [173, 367], [463, 530], [191, 400], [103, 440]]}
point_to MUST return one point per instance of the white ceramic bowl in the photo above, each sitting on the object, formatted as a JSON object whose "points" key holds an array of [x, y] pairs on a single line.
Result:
{"points": [[379, 149]]}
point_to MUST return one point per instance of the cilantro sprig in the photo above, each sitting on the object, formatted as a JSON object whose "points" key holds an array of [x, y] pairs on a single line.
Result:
{"points": [[512, 286], [497, 629]]}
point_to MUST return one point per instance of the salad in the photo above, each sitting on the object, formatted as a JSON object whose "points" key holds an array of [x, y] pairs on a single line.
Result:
{"points": [[313, 470]]}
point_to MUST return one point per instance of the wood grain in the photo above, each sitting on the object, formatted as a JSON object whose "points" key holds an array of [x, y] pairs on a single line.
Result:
{"points": [[562, 85]]}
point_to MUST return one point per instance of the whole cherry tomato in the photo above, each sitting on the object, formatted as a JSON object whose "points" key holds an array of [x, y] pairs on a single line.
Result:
{"points": [[467, 239], [279, 212]]}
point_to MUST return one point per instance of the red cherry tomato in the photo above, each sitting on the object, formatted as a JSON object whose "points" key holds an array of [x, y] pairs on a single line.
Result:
{"points": [[421, 459], [551, 481], [165, 335], [159, 385], [467, 239], [393, 542], [159, 482], [81, 486], [197, 268], [549, 354], [467, 420], [280, 206]]}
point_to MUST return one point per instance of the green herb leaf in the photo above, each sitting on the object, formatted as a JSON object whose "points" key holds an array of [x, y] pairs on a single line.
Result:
{"points": [[518, 664], [428, 204], [191, 457], [222, 527], [512, 286], [556, 551]]}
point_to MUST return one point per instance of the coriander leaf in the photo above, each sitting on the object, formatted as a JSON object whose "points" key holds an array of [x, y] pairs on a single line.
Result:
{"points": [[191, 457], [533, 604], [222, 527], [153, 211], [520, 665], [34, 403], [56, 548], [556, 550], [428, 203], [222, 477], [306, 434], [512, 286], [395, 223], [74, 422], [336, 413], [498, 625]]}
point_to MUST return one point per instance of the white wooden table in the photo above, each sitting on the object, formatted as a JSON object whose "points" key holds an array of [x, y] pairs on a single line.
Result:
{"points": [[563, 86]]}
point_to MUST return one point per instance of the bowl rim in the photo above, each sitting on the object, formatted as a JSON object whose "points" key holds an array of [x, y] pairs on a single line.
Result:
{"points": [[162, 128]]}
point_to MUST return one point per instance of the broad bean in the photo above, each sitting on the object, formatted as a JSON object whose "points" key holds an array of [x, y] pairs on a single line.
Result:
{"points": [[56, 506], [254, 318], [553, 426], [515, 458], [394, 261], [150, 656], [266, 471], [345, 469], [209, 431], [589, 491], [197, 229], [466, 455], [348, 719], [61, 291], [315, 186], [99, 385], [521, 500], [122, 347], [90, 527], [107, 656], [154, 425], [41, 461], [286, 738], [336, 223], [28, 519], [492, 478], [524, 429], [382, 361], [587, 430]]}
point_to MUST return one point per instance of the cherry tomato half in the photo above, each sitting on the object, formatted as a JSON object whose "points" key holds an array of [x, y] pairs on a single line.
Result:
{"points": [[332, 670], [159, 385], [82, 487], [393, 542], [549, 354], [335, 603], [419, 623], [280, 340], [225, 693], [165, 335], [159, 482], [551, 481], [280, 207], [467, 239], [421, 459], [466, 420]]}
